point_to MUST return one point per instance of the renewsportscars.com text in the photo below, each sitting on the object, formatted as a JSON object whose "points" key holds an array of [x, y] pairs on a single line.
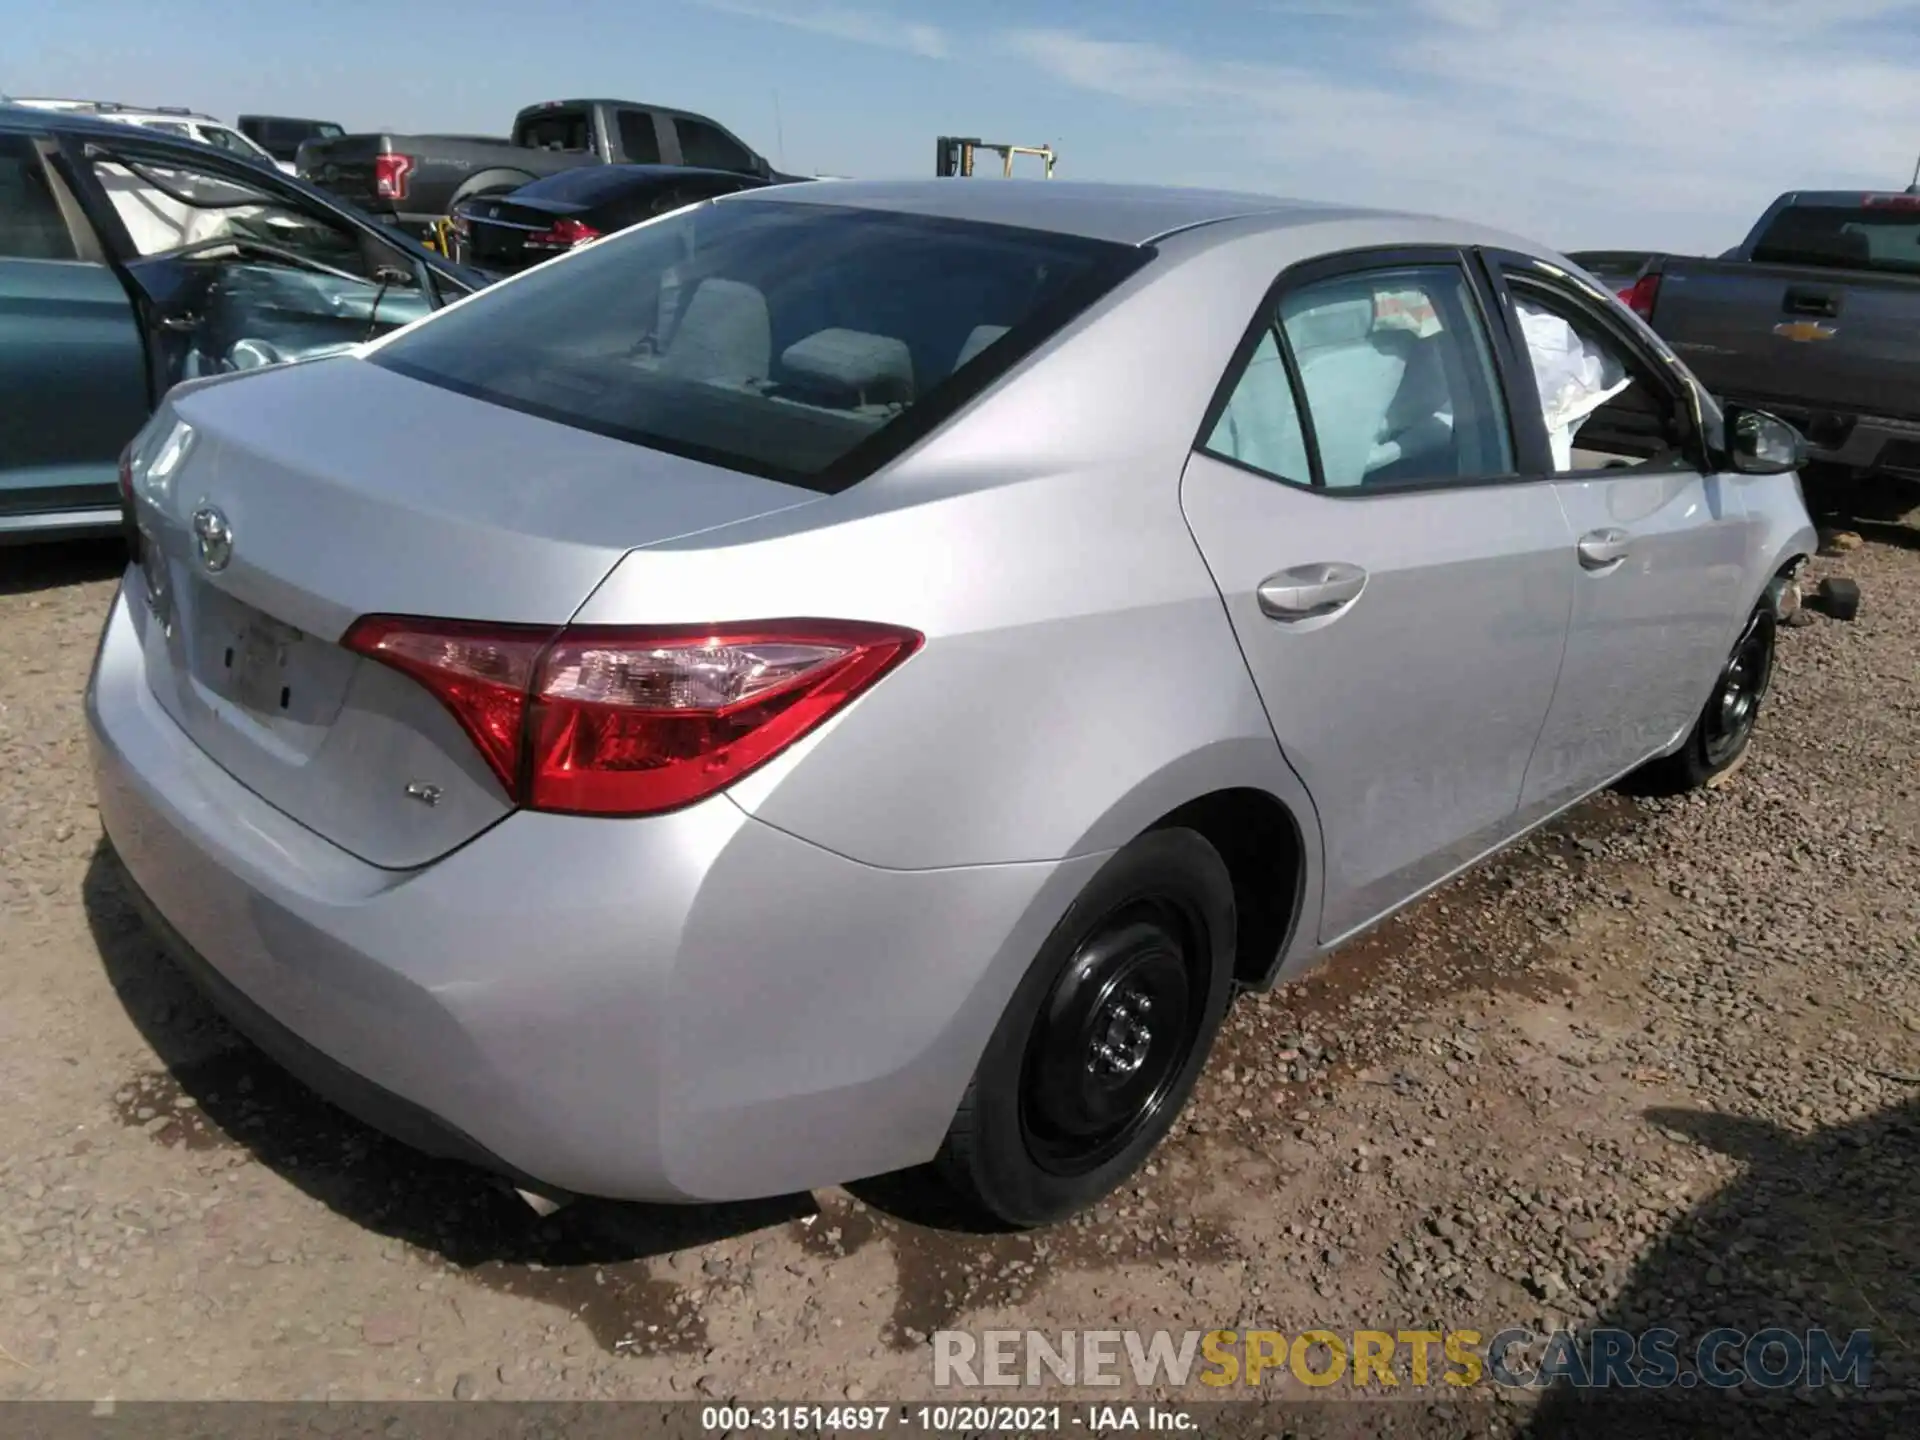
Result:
{"points": [[1379, 1360]]}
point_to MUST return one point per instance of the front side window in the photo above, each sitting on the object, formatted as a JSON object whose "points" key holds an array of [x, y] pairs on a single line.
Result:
{"points": [[705, 147], [797, 341], [31, 227], [1398, 377], [167, 207], [1603, 407]]}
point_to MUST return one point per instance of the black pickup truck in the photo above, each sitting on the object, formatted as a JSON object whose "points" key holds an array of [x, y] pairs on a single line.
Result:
{"points": [[1815, 317], [413, 180]]}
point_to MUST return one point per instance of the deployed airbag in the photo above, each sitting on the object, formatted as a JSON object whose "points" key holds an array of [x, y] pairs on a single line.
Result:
{"points": [[1575, 377]]}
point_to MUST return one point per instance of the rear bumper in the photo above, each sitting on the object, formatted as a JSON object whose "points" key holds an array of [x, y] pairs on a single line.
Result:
{"points": [[691, 1007], [1856, 442]]}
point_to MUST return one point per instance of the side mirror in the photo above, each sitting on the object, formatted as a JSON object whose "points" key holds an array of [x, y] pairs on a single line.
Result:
{"points": [[1763, 444]]}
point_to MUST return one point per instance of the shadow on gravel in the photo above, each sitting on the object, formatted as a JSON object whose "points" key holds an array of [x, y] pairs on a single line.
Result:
{"points": [[218, 1092], [28, 569], [1820, 1232]]}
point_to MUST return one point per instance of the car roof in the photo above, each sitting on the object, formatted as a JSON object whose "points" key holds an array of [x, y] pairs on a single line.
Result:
{"points": [[86, 122], [1126, 214], [105, 108]]}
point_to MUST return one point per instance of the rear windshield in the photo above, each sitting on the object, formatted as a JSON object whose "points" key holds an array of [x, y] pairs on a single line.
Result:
{"points": [[806, 343], [1849, 237]]}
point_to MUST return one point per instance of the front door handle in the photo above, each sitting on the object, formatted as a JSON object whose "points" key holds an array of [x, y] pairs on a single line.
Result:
{"points": [[1304, 591], [1601, 548]]}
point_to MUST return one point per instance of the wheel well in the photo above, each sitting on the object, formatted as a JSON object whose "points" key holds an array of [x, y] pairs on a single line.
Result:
{"points": [[1260, 840]]}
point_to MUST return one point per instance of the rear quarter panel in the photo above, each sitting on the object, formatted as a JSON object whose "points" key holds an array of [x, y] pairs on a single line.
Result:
{"points": [[1079, 678]]}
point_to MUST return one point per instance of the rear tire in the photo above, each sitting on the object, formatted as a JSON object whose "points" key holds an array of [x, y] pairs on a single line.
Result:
{"points": [[1100, 1045], [1717, 744]]}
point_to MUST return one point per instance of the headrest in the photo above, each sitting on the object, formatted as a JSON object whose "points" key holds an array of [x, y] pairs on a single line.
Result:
{"points": [[872, 367]]}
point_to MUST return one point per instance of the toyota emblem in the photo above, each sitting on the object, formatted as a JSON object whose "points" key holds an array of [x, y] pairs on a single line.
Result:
{"points": [[212, 538]]}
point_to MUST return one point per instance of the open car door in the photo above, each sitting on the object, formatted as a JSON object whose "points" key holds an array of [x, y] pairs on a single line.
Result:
{"points": [[233, 270]]}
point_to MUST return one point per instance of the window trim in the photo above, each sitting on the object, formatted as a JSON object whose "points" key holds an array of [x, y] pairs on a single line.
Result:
{"points": [[1567, 289], [1350, 263]]}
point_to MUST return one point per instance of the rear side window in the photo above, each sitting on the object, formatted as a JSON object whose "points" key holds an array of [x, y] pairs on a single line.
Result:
{"points": [[558, 130], [1882, 235], [31, 227], [1260, 426], [704, 146], [807, 343], [639, 140]]}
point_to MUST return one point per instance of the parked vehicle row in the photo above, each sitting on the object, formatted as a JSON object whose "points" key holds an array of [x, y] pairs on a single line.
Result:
{"points": [[414, 180], [176, 121], [1816, 315], [281, 136], [131, 260], [506, 233], [522, 817]]}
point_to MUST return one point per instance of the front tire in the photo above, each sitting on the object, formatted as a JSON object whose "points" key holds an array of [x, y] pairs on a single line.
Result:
{"points": [[1103, 1040], [1717, 744]]}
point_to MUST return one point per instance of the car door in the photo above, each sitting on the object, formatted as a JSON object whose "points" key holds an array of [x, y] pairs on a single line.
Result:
{"points": [[1660, 541], [1399, 591], [235, 269], [73, 372]]}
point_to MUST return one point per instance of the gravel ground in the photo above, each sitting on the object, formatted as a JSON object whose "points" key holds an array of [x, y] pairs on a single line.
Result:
{"points": [[1659, 1065]]}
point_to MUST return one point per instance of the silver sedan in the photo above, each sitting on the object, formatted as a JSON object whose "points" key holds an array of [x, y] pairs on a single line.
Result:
{"points": [[845, 677]]}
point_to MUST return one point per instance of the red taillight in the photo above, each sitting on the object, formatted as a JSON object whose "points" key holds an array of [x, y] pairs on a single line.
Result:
{"points": [[1908, 201], [634, 720], [390, 176], [564, 234], [1639, 296]]}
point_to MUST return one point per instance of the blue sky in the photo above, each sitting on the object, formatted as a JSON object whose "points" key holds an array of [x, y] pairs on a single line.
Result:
{"points": [[1632, 123]]}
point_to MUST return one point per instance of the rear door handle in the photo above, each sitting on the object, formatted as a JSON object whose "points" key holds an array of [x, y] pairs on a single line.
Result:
{"points": [[1304, 591], [1601, 548]]}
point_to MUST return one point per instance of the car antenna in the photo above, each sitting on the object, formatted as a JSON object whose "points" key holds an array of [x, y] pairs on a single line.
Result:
{"points": [[1913, 186], [780, 135]]}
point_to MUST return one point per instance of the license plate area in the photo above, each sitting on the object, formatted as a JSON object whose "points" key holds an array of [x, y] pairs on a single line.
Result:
{"points": [[258, 664], [246, 657]]}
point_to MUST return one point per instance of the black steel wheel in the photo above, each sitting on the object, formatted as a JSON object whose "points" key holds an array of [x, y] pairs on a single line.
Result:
{"points": [[1113, 1037], [1103, 1038], [1718, 742], [1727, 722]]}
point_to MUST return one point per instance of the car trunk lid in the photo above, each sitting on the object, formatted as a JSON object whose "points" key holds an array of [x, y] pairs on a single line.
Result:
{"points": [[326, 491]]}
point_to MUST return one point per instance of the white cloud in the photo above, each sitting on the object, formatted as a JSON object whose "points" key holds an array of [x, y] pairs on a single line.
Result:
{"points": [[1617, 122], [863, 27]]}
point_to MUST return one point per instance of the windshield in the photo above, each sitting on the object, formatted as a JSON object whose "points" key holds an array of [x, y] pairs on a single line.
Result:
{"points": [[1865, 236], [807, 343]]}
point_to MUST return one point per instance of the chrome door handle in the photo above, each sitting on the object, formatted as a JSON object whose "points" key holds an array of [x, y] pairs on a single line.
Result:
{"points": [[1304, 591], [1601, 548]]}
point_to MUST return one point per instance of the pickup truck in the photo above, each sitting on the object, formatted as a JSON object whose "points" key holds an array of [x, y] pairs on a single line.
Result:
{"points": [[413, 180], [1814, 317]]}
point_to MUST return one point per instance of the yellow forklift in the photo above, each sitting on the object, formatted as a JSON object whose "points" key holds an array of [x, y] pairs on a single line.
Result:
{"points": [[955, 156]]}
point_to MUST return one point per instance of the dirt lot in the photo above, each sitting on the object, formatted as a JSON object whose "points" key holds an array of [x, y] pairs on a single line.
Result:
{"points": [[1661, 1065]]}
